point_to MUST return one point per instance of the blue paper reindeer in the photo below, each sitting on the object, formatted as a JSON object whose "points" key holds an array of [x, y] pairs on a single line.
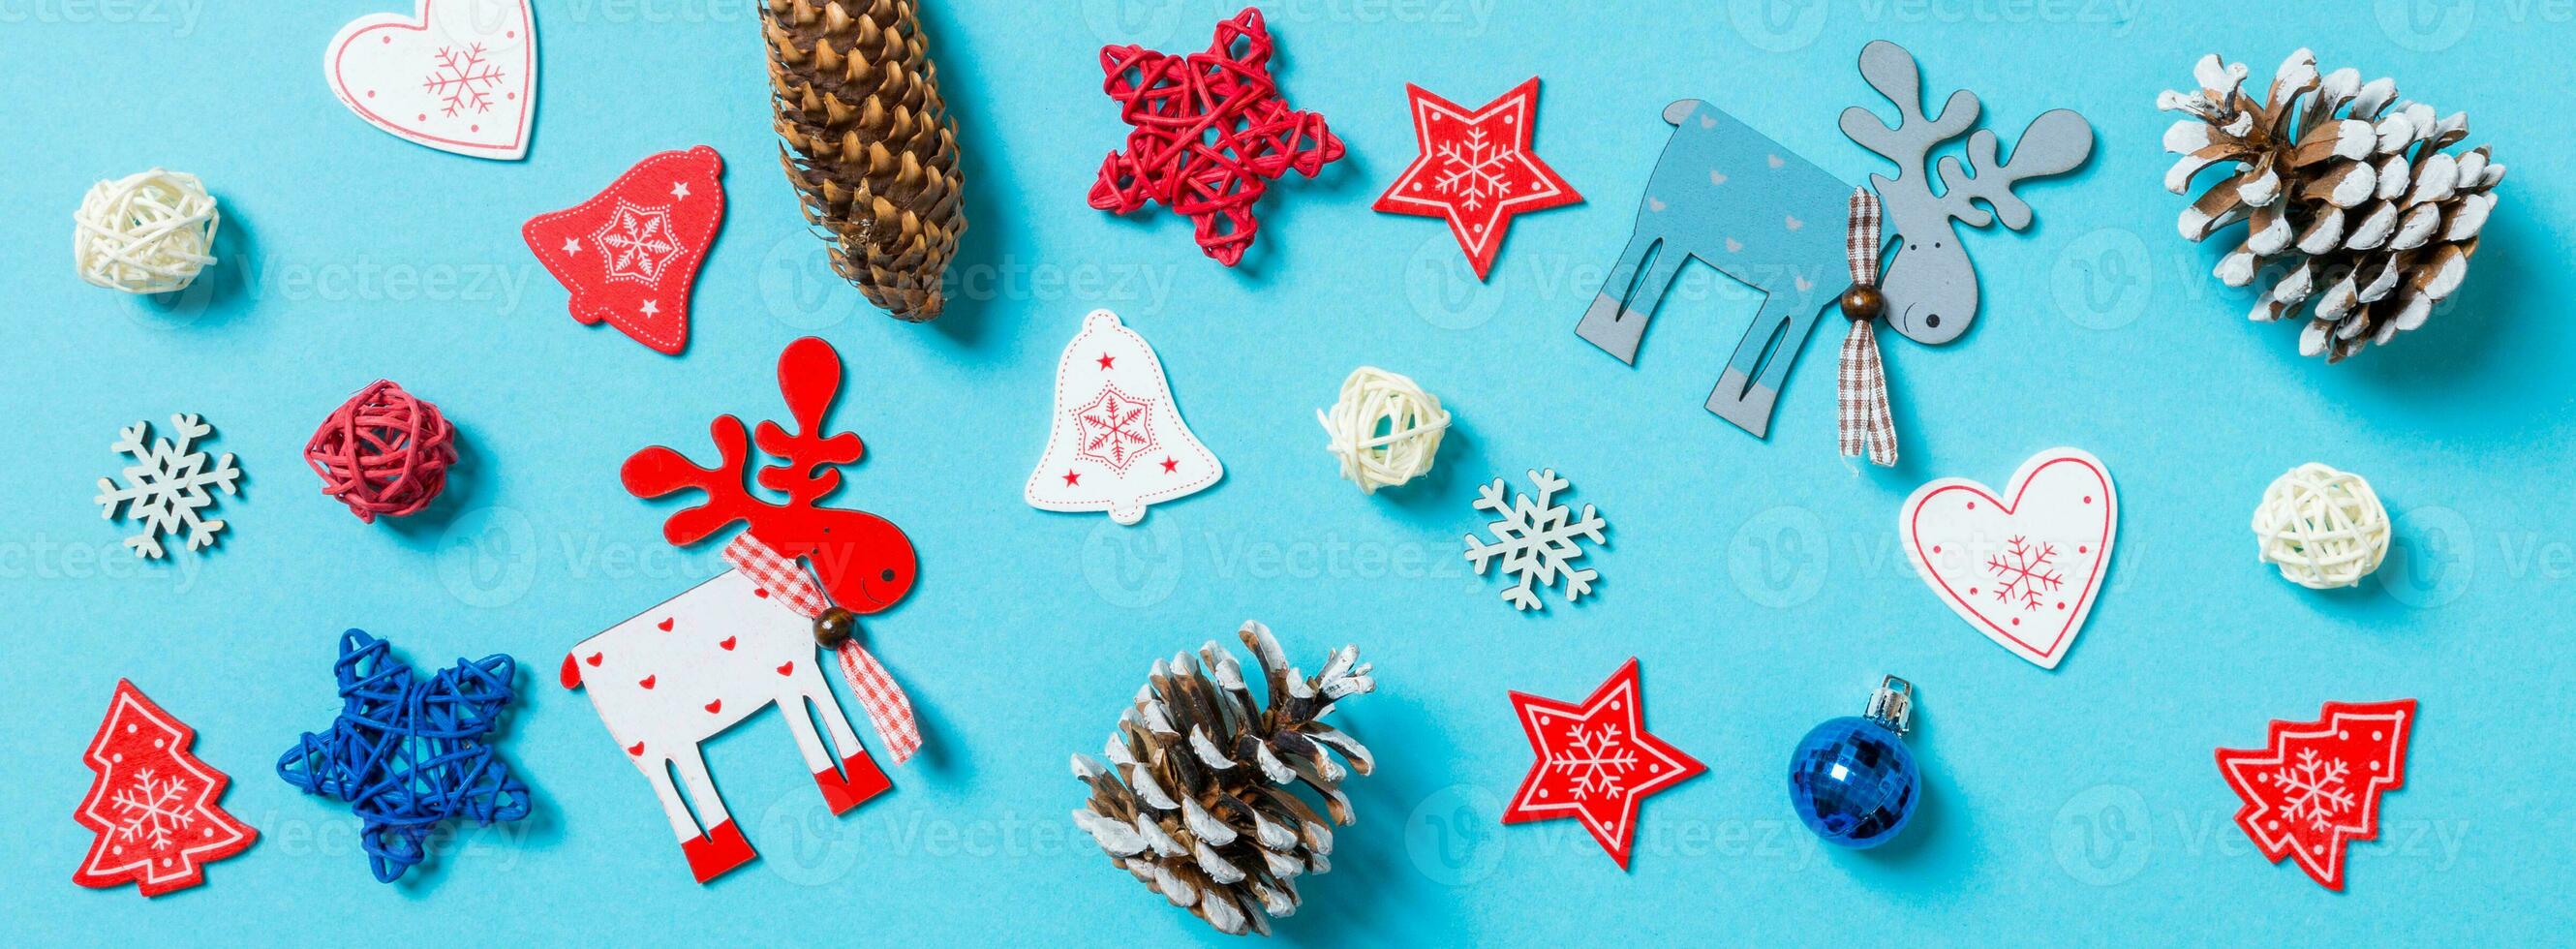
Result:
{"points": [[1735, 199]]}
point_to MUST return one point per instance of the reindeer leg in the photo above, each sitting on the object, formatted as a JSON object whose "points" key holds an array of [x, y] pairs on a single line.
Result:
{"points": [[657, 772], [858, 778], [1618, 323], [723, 848], [1760, 366]]}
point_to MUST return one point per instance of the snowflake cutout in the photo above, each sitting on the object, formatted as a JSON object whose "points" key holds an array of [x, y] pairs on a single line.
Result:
{"points": [[637, 242], [166, 487], [1536, 540], [2028, 572], [1595, 758], [462, 80], [2313, 789], [1115, 429], [152, 808]]}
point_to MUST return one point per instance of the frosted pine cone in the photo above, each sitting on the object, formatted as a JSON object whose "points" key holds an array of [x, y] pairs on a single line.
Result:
{"points": [[1196, 799], [868, 143], [2354, 211]]}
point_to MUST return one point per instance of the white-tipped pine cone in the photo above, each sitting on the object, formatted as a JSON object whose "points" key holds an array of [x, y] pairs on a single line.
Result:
{"points": [[2354, 212], [1196, 799]]}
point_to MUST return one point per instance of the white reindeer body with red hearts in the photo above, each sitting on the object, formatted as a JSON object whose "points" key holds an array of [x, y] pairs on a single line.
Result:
{"points": [[681, 672], [675, 675]]}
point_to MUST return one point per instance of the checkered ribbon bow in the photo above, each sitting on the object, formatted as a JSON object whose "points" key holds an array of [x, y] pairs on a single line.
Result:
{"points": [[1866, 426], [784, 578]]}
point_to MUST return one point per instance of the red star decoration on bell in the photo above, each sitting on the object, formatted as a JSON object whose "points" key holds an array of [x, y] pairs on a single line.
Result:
{"points": [[1170, 465], [1476, 170], [1596, 761], [1209, 133]]}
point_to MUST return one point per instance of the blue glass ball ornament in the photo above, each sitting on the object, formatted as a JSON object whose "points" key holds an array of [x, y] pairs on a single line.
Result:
{"points": [[1852, 780]]}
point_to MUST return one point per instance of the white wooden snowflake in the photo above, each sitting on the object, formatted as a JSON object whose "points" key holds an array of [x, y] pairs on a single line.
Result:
{"points": [[1536, 540], [165, 489]]}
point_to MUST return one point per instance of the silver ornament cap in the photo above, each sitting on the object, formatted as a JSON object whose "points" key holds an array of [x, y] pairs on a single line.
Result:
{"points": [[1892, 705]]}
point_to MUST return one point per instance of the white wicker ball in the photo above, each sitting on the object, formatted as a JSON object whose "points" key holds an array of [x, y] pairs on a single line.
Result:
{"points": [[149, 232], [1384, 428], [2324, 528]]}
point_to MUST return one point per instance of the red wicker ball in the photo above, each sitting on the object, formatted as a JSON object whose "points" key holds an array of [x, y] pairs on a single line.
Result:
{"points": [[384, 452]]}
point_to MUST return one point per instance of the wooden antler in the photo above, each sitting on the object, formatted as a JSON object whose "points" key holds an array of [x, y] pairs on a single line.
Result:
{"points": [[1908, 143], [657, 471], [2054, 144], [809, 376]]}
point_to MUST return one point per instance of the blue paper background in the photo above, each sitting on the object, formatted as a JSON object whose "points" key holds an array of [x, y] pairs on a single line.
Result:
{"points": [[1759, 582]]}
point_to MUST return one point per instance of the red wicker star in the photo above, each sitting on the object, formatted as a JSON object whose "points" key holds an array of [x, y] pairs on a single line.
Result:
{"points": [[1210, 131], [1595, 762], [1476, 170]]}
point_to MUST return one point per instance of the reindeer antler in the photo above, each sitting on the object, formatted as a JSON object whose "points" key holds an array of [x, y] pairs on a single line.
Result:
{"points": [[1908, 143], [2056, 142], [658, 471], [809, 375]]}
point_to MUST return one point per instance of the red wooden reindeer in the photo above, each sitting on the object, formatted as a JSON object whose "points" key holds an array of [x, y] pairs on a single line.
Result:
{"points": [[678, 674]]}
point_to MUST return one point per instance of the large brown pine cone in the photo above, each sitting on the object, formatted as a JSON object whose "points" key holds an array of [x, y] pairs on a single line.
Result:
{"points": [[1196, 800], [2354, 211], [868, 144]]}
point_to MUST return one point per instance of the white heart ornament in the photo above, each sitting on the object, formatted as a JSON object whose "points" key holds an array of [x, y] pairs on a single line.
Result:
{"points": [[458, 75], [2024, 567]]}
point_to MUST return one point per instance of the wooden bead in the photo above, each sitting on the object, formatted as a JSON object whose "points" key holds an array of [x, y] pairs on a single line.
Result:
{"points": [[835, 627], [1863, 303]]}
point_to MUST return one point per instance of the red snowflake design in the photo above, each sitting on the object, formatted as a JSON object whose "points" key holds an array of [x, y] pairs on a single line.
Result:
{"points": [[2028, 571], [463, 80], [1116, 429]]}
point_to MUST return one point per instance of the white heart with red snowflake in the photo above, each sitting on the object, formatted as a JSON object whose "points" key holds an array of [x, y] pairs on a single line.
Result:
{"points": [[2025, 566], [457, 75]]}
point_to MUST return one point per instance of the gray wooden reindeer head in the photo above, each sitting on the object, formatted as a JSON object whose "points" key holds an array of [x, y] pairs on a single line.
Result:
{"points": [[1931, 288]]}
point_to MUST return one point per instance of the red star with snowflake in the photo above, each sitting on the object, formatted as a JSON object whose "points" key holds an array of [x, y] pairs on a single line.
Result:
{"points": [[1476, 170], [1596, 761], [1210, 131], [2316, 785]]}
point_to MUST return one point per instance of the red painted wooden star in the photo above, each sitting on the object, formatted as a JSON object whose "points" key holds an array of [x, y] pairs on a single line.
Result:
{"points": [[1476, 170], [2316, 785], [1595, 762]]}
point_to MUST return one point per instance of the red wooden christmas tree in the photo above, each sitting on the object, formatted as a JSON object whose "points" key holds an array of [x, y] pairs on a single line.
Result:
{"points": [[2315, 786], [153, 805]]}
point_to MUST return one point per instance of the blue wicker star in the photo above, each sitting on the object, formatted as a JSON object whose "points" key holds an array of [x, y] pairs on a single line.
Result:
{"points": [[409, 754]]}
